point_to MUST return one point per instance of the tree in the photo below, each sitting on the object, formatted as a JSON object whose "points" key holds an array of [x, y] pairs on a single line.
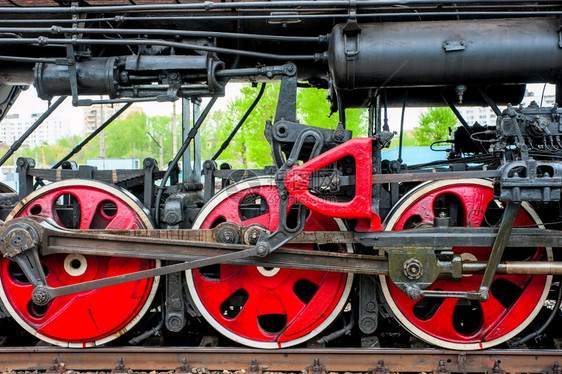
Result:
{"points": [[434, 125], [314, 109], [249, 148]]}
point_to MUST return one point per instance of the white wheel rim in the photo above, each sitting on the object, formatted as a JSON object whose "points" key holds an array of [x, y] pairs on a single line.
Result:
{"points": [[213, 203], [143, 215], [393, 217]]}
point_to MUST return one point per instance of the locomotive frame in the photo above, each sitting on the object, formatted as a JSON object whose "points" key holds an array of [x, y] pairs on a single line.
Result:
{"points": [[331, 229]]}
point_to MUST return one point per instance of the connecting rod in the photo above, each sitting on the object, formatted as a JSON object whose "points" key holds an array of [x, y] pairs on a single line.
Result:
{"points": [[198, 248]]}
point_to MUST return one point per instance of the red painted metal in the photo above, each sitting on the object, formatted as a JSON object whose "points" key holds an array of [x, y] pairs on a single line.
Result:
{"points": [[88, 316], [496, 319], [360, 207], [271, 293]]}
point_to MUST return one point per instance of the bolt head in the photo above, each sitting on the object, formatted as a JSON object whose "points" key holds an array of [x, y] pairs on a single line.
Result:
{"points": [[40, 296], [262, 250]]}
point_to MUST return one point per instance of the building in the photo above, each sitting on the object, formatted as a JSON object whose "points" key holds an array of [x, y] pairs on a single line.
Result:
{"points": [[97, 114], [52, 129], [485, 116]]}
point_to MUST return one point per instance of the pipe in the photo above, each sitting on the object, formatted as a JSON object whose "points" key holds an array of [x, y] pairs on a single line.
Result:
{"points": [[519, 268], [208, 6]]}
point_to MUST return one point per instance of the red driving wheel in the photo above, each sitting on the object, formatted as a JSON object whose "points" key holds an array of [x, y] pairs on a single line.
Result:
{"points": [[87, 318], [468, 324], [265, 307]]}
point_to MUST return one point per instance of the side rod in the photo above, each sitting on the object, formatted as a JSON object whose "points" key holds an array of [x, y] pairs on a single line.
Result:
{"points": [[52, 239]]}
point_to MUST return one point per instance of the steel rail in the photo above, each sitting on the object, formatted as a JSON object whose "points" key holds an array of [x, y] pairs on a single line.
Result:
{"points": [[355, 360]]}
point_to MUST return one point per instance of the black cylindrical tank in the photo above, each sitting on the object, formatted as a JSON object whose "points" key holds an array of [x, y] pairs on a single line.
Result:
{"points": [[436, 53]]}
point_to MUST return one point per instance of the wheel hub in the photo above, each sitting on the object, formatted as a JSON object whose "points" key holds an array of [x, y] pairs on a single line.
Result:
{"points": [[513, 300], [260, 306], [102, 314]]}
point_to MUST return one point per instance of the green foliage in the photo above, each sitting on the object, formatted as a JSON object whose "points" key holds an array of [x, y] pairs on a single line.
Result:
{"points": [[249, 148], [140, 136], [135, 136], [408, 140], [434, 125], [313, 109]]}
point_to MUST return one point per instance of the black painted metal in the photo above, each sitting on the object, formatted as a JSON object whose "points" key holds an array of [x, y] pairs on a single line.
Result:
{"points": [[415, 54]]}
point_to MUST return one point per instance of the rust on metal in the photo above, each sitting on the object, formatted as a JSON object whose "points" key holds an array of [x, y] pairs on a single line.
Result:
{"points": [[294, 360], [497, 369], [183, 368], [316, 368], [380, 369]]}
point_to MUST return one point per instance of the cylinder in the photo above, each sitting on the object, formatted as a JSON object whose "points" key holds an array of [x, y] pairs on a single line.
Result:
{"points": [[437, 53], [20, 75], [434, 96], [96, 76]]}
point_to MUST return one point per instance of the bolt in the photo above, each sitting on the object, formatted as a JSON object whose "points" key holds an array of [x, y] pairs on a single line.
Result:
{"points": [[338, 135], [17, 240], [175, 322], [413, 291], [227, 235], [368, 324], [40, 296], [171, 218], [413, 268], [262, 250], [370, 306]]}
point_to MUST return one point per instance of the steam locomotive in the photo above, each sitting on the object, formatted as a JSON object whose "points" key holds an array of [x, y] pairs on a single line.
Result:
{"points": [[333, 245]]}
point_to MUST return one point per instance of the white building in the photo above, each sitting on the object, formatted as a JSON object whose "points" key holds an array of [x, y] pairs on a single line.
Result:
{"points": [[485, 115], [51, 130]]}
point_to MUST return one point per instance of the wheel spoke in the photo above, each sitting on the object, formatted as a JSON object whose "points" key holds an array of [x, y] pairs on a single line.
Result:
{"points": [[452, 323], [280, 306], [88, 310]]}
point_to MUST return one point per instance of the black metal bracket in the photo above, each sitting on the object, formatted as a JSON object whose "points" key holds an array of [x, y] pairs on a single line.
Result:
{"points": [[284, 232], [150, 166], [25, 180]]}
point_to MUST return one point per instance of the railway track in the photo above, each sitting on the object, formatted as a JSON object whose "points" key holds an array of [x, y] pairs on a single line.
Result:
{"points": [[312, 361]]}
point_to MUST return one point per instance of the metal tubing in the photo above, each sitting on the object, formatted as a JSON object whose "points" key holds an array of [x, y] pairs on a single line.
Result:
{"points": [[518, 268], [342, 15], [225, 144], [208, 6], [446, 53], [15, 146], [181, 151], [188, 33], [44, 41]]}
